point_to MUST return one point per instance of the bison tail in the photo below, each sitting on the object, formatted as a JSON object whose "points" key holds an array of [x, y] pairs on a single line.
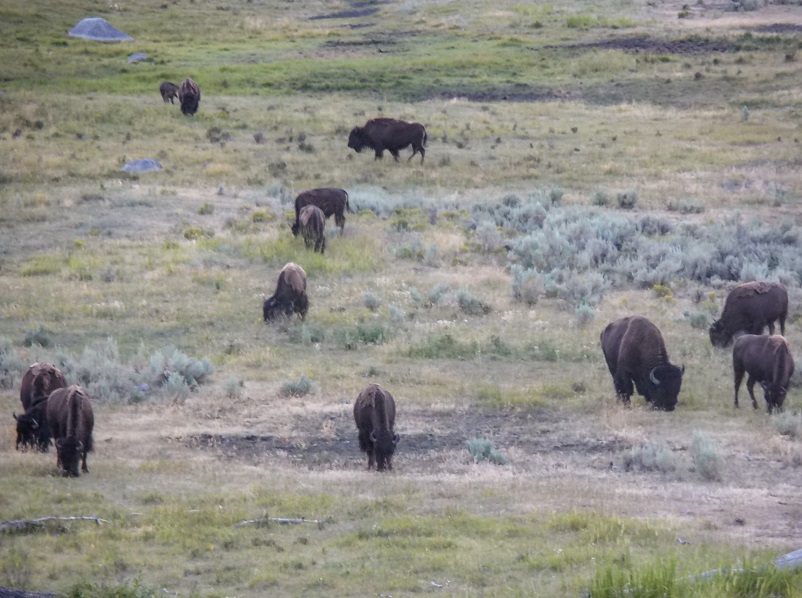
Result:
{"points": [[425, 138], [347, 205]]}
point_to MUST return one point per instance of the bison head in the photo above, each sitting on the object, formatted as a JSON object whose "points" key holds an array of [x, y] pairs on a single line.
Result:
{"points": [[295, 229], [26, 430], [383, 447], [718, 335], [69, 450], [356, 139], [774, 395], [665, 383], [270, 309]]}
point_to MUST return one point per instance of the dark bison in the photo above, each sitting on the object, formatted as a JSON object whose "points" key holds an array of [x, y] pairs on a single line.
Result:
{"points": [[389, 134], [768, 360], [189, 96], [329, 199], [69, 412], [38, 381], [169, 91], [749, 308], [290, 295], [313, 223], [635, 352], [374, 414]]}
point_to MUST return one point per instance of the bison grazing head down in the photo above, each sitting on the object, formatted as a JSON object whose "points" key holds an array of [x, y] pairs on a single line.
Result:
{"points": [[189, 96], [374, 415], [636, 355], [69, 412], [290, 296], [749, 308], [766, 359], [26, 430], [38, 381]]}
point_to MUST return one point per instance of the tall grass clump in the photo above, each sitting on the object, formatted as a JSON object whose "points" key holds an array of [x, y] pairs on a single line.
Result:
{"points": [[482, 449], [650, 457], [11, 366], [706, 458], [297, 388], [653, 581]]}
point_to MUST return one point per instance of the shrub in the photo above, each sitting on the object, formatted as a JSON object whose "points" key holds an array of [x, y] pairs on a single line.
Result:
{"points": [[601, 198], [699, 320], [11, 366], [484, 450], [437, 292], [627, 200], [371, 301], [527, 285], [169, 360], [650, 457], [584, 315], [206, 209], [556, 195], [233, 387], [470, 304], [176, 387], [685, 206], [788, 423], [37, 336], [297, 388], [307, 334], [706, 458], [487, 236]]}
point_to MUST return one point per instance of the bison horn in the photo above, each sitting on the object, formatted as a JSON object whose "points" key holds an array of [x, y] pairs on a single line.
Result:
{"points": [[653, 378], [15, 416], [682, 369], [373, 436]]}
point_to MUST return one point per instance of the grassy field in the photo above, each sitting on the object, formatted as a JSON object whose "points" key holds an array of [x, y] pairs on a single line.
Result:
{"points": [[585, 161]]}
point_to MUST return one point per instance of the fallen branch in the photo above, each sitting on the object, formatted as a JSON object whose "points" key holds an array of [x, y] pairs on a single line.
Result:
{"points": [[25, 524], [279, 520], [792, 561]]}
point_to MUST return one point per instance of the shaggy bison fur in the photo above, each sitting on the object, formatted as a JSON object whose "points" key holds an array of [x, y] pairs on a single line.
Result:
{"points": [[313, 222], [169, 91], [635, 352], [749, 308], [329, 199], [389, 134], [69, 412], [189, 96], [768, 360], [38, 381], [290, 296], [374, 415]]}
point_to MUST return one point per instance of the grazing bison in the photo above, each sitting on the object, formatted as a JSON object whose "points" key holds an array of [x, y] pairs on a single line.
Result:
{"points": [[290, 295], [634, 350], [38, 381], [189, 96], [389, 134], [169, 91], [329, 199], [768, 360], [69, 412], [374, 414], [749, 308], [313, 222]]}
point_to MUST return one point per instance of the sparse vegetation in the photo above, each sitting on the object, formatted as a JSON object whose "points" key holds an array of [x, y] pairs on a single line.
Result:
{"points": [[482, 449], [706, 457]]}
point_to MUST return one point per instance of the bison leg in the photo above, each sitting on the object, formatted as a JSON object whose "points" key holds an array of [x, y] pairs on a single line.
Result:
{"points": [[379, 153], [750, 386], [417, 150], [394, 153], [624, 388], [739, 376], [84, 468], [771, 328], [339, 220], [782, 325]]}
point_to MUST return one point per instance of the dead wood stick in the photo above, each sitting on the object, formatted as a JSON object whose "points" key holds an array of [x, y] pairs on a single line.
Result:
{"points": [[23, 524], [279, 520]]}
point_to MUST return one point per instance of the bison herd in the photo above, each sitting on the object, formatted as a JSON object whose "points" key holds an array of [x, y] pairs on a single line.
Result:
{"points": [[633, 349]]}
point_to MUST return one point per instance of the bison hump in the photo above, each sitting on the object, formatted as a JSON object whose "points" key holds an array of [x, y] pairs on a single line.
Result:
{"points": [[749, 289]]}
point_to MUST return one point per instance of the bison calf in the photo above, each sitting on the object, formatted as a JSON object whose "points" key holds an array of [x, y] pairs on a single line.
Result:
{"points": [[69, 412], [768, 360], [635, 352], [374, 414], [329, 199], [38, 381], [389, 134], [749, 308], [290, 295], [313, 222], [189, 96], [169, 91]]}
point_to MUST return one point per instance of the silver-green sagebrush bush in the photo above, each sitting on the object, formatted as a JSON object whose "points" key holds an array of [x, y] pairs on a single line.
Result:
{"points": [[11, 366], [706, 459], [297, 388], [650, 457], [482, 449]]}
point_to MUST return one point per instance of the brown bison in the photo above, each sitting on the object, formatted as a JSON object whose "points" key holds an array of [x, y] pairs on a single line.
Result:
{"points": [[374, 414], [169, 91], [38, 381], [290, 295], [749, 308], [635, 352], [768, 360], [389, 134], [313, 222], [189, 96], [329, 199], [69, 412]]}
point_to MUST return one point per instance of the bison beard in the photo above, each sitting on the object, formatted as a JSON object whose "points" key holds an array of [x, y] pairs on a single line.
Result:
{"points": [[189, 96], [69, 412], [635, 353], [374, 415], [290, 295], [766, 359], [389, 134]]}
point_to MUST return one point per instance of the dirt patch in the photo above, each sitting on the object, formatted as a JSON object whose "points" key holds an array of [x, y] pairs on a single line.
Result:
{"points": [[778, 28], [643, 43]]}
